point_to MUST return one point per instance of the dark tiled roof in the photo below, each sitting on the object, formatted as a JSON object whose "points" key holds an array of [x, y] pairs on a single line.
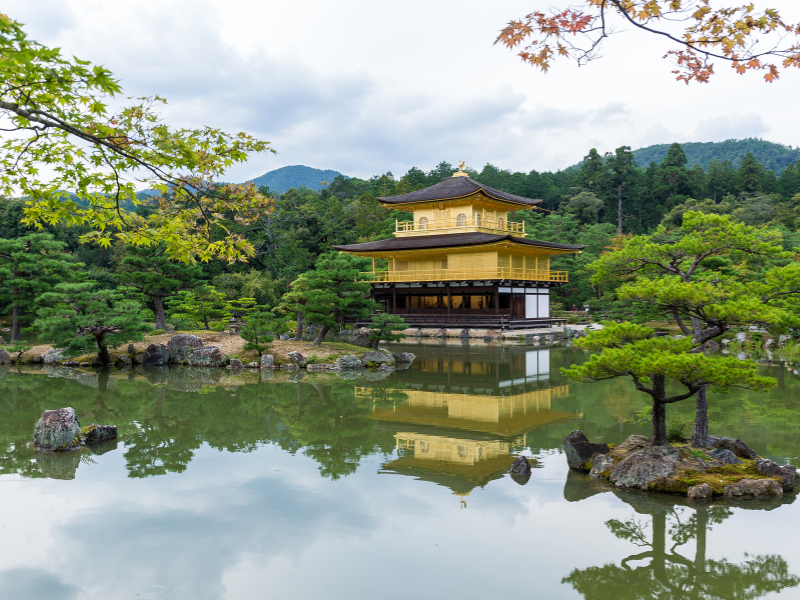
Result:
{"points": [[456, 187], [449, 240]]}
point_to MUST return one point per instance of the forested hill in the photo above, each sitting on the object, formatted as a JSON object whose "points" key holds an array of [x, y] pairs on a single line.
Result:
{"points": [[775, 157], [286, 178]]}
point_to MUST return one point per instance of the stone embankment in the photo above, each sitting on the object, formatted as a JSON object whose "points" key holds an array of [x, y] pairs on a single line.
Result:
{"points": [[542, 335], [728, 468], [190, 350]]}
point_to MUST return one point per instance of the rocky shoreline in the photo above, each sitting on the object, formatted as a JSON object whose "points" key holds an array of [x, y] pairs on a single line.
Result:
{"points": [[190, 350], [728, 468]]}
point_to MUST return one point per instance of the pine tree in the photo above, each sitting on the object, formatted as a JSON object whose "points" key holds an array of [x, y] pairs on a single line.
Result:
{"points": [[751, 174], [29, 266], [202, 305], [383, 327], [260, 329], [151, 272], [335, 292], [592, 175], [80, 317], [294, 301]]}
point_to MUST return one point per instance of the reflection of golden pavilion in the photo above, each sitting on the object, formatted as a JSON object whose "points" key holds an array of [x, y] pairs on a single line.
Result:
{"points": [[505, 416]]}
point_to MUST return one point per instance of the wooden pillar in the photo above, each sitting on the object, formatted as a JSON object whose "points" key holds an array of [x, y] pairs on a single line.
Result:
{"points": [[497, 304], [394, 300], [449, 302]]}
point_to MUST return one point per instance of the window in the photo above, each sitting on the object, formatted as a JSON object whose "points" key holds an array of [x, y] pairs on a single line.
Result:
{"points": [[478, 220], [501, 223], [461, 220], [423, 222]]}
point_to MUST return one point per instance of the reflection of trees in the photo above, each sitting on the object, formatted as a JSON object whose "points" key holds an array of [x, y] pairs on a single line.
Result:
{"points": [[332, 424], [668, 575]]}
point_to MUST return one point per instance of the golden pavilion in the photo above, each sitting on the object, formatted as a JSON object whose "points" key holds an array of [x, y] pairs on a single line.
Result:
{"points": [[461, 263]]}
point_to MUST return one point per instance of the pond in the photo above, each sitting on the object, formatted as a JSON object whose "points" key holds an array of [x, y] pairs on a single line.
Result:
{"points": [[293, 485]]}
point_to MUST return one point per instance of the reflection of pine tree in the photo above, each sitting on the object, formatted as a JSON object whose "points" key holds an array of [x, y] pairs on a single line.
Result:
{"points": [[671, 576]]}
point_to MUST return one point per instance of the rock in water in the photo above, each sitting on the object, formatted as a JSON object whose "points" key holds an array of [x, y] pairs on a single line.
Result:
{"points": [[520, 467], [182, 345], [206, 356], [235, 364], [700, 492], [54, 355], [579, 450], [348, 361], [601, 466], [404, 357], [724, 456], [297, 358], [644, 469], [156, 355], [788, 474], [741, 337], [4, 357], [376, 358], [738, 447], [754, 488], [100, 433], [267, 361], [57, 431], [632, 444]]}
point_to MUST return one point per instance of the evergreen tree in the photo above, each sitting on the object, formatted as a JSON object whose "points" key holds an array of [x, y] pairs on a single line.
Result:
{"points": [[260, 329], [334, 291], [622, 179], [154, 274], [789, 182], [384, 326], [29, 266], [592, 174], [293, 303], [202, 305], [720, 180], [751, 174], [80, 317]]}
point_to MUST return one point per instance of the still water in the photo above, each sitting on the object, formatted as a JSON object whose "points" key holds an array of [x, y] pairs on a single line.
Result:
{"points": [[287, 485]]}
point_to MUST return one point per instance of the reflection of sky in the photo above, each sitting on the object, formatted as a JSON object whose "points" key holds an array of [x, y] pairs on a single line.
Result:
{"points": [[265, 524]]}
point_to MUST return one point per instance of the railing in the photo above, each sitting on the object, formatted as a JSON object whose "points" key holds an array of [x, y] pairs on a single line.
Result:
{"points": [[475, 221], [467, 275]]}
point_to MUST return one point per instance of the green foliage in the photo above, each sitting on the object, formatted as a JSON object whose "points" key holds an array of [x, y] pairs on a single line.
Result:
{"points": [[383, 326], [250, 284], [240, 307], [260, 329], [296, 176], [19, 348], [57, 109], [157, 332], [201, 306], [80, 317], [29, 266], [334, 292], [775, 157]]}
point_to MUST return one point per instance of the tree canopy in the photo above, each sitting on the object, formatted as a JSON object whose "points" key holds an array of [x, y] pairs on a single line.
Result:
{"points": [[707, 31], [80, 161]]}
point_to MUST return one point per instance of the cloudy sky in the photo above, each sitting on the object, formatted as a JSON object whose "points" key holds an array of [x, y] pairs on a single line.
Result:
{"points": [[365, 87]]}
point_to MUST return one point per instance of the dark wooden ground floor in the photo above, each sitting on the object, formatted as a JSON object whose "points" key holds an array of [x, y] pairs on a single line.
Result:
{"points": [[478, 304]]}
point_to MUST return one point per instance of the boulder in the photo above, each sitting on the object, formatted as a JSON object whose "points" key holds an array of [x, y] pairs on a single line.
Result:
{"points": [[57, 431], [724, 456], [404, 357], [37, 359], [205, 356], [4, 357], [348, 361], [386, 368], [579, 450], [100, 433], [632, 444], [252, 365], [155, 355], [647, 468], [769, 344], [267, 361], [788, 474], [754, 488], [284, 336], [235, 364], [738, 447], [520, 467], [741, 337], [54, 355], [124, 359], [601, 465], [318, 367], [700, 492], [784, 338], [297, 358], [181, 346], [376, 358], [291, 367]]}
